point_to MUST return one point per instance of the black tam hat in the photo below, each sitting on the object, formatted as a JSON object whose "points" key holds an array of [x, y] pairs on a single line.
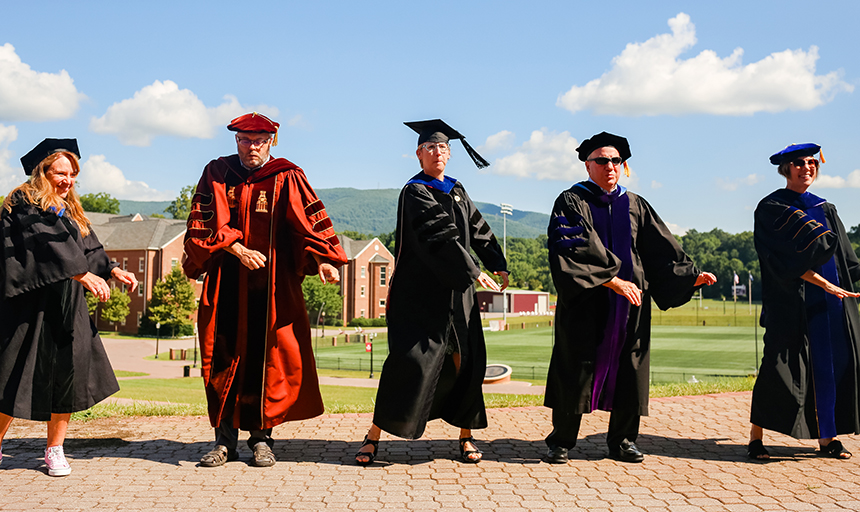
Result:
{"points": [[45, 149], [604, 139], [437, 130]]}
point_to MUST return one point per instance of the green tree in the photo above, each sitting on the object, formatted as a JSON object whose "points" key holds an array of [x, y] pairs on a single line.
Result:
{"points": [[316, 294], [100, 203], [116, 309], [181, 206], [92, 302], [172, 301], [157, 216], [355, 235]]}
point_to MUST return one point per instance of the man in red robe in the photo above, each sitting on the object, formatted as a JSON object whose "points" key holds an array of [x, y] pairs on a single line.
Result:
{"points": [[256, 229]]}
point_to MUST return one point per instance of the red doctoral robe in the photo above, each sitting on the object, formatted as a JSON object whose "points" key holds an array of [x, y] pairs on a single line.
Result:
{"points": [[258, 366]]}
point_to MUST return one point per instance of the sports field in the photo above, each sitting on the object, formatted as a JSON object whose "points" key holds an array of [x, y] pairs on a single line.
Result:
{"points": [[678, 352]]}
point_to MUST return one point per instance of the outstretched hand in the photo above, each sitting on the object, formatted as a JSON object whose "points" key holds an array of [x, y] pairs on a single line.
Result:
{"points": [[328, 274], [95, 284], [706, 278], [626, 289], [504, 279], [487, 282], [125, 277]]}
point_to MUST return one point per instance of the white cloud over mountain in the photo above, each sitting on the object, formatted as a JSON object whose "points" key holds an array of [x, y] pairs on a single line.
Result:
{"points": [[99, 175], [651, 78], [734, 184], [163, 109], [28, 95]]}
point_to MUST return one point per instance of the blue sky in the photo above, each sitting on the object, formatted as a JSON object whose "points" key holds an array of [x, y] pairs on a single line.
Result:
{"points": [[704, 91]]}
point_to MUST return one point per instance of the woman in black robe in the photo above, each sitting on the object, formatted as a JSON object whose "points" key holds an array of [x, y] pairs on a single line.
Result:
{"points": [[807, 387], [437, 358], [52, 362]]}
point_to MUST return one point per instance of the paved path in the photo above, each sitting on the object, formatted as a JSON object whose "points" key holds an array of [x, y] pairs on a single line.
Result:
{"points": [[696, 461]]}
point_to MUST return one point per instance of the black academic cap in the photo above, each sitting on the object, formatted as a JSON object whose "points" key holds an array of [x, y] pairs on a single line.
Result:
{"points": [[437, 130], [604, 139], [45, 149]]}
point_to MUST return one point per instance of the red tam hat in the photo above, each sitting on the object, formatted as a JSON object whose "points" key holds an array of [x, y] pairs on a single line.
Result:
{"points": [[254, 123]]}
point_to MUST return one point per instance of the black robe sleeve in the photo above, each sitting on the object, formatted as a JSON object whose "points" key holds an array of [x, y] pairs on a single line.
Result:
{"points": [[98, 261], [484, 242], [670, 273], [39, 248], [437, 240], [790, 242], [577, 258]]}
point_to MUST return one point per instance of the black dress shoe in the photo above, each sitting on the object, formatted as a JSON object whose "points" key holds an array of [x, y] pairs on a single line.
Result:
{"points": [[627, 452], [556, 455]]}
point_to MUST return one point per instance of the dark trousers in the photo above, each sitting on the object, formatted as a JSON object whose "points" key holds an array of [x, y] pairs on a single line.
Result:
{"points": [[623, 424], [228, 436]]}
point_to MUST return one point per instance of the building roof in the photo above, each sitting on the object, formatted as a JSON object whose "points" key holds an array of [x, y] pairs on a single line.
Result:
{"points": [[353, 248], [134, 232]]}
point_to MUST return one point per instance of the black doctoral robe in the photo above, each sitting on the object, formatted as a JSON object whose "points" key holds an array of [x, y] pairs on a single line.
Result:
{"points": [[51, 357], [431, 305], [580, 263], [790, 241]]}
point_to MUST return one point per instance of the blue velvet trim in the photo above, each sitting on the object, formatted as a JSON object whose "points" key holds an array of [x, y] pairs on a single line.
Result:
{"points": [[444, 186]]}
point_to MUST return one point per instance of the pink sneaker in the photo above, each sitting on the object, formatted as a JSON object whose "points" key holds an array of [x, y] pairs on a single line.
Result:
{"points": [[56, 461]]}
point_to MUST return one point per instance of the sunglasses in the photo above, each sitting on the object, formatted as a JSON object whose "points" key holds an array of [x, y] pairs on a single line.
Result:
{"points": [[603, 160], [802, 163]]}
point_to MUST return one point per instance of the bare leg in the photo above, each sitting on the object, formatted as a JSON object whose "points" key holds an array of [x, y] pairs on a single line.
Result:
{"points": [[5, 421], [373, 435], [57, 429]]}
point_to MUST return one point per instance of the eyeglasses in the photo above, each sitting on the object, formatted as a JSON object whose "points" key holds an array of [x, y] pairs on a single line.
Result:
{"points": [[603, 160], [252, 142], [800, 162], [441, 147]]}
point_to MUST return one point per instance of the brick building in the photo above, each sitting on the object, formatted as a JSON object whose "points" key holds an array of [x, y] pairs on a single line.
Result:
{"points": [[364, 279], [519, 301], [149, 247]]}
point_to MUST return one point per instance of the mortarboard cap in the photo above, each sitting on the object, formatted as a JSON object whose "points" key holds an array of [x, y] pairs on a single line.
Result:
{"points": [[604, 139], [793, 151], [45, 149], [437, 130], [254, 122]]}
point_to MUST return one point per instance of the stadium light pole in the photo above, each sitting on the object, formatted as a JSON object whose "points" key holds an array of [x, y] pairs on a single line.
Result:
{"points": [[506, 210]]}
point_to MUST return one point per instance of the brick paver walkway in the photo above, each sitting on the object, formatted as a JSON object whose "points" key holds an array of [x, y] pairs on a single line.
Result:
{"points": [[696, 461]]}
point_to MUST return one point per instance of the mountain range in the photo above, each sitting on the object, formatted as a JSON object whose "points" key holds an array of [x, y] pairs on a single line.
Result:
{"points": [[375, 212]]}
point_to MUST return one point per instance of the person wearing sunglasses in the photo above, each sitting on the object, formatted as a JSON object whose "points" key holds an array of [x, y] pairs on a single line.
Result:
{"points": [[807, 386], [609, 254], [256, 229], [436, 354]]}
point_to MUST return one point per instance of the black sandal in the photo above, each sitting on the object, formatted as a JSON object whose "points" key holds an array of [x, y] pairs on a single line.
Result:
{"points": [[370, 455], [834, 450], [464, 453], [757, 451]]}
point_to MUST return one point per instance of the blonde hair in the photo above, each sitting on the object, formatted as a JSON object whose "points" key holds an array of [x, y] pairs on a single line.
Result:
{"points": [[39, 192]]}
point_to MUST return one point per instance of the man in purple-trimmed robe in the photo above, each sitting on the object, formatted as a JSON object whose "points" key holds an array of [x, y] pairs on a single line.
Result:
{"points": [[609, 254]]}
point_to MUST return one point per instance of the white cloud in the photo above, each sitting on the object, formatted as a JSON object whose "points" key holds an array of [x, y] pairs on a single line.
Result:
{"points": [[11, 173], [826, 181], [656, 184], [676, 229], [27, 95], [99, 175], [499, 141], [545, 156], [734, 184], [650, 79], [164, 109]]}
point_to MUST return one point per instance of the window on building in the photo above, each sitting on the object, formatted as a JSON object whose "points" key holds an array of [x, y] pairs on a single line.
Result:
{"points": [[139, 290], [362, 292], [139, 317], [382, 271], [382, 303], [202, 277], [123, 322], [141, 265], [174, 262], [362, 314], [123, 288], [362, 273], [125, 263]]}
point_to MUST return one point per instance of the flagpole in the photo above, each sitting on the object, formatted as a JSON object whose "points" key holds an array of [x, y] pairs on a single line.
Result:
{"points": [[749, 292]]}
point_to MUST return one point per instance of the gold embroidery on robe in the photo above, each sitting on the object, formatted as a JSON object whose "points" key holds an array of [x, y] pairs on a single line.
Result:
{"points": [[262, 202], [231, 197]]}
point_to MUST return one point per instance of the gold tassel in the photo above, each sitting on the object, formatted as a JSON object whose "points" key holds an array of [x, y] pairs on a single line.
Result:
{"points": [[275, 142], [821, 154], [626, 169]]}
